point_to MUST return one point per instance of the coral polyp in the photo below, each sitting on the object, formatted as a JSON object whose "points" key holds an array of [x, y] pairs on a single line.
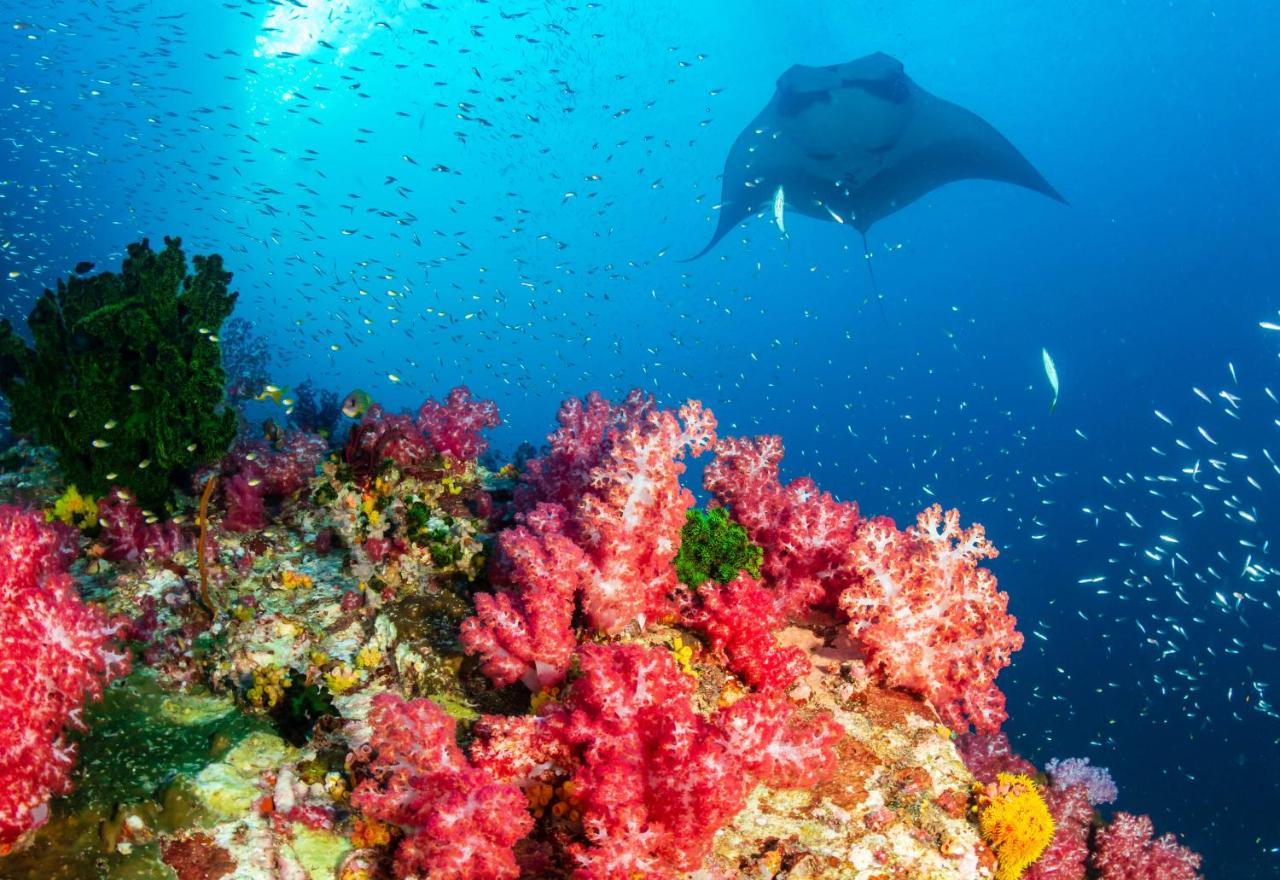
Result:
{"points": [[1016, 823]]}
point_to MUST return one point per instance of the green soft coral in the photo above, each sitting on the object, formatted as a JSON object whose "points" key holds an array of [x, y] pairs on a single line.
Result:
{"points": [[714, 547], [152, 328]]}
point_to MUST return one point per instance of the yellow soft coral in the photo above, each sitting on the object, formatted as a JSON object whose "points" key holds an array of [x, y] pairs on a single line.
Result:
{"points": [[452, 486], [74, 509], [293, 580], [1015, 823], [368, 657], [269, 685], [368, 506], [683, 655], [341, 679]]}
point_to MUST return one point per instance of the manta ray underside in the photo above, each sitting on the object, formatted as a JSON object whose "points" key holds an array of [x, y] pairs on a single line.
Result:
{"points": [[854, 142]]}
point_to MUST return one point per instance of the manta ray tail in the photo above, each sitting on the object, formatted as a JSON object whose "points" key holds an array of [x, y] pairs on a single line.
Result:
{"points": [[871, 273]]}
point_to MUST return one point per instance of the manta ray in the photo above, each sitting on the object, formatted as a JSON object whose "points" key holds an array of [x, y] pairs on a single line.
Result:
{"points": [[853, 143]]}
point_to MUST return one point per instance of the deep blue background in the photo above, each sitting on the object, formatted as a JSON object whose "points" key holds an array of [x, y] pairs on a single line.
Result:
{"points": [[405, 194]]}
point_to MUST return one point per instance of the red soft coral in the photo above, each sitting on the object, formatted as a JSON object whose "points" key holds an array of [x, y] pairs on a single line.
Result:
{"points": [[246, 509], [460, 823], [656, 779], [930, 618], [288, 469], [630, 517], [1065, 857], [1126, 850], [450, 429], [379, 436], [611, 548], [806, 534], [520, 749], [54, 652], [453, 427], [989, 754], [127, 536], [740, 619]]}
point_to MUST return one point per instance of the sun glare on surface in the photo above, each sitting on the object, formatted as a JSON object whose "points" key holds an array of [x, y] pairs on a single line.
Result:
{"points": [[296, 29]]}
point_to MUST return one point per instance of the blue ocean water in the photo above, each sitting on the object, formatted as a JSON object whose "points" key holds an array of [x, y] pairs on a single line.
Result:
{"points": [[415, 195]]}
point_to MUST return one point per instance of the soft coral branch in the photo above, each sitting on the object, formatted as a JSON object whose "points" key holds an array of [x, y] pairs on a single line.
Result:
{"points": [[460, 823], [525, 628], [740, 619], [453, 427], [930, 617], [1128, 850], [805, 533], [607, 551], [657, 780]]}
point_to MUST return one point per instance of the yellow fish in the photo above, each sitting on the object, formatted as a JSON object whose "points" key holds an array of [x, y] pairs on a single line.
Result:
{"points": [[274, 393]]}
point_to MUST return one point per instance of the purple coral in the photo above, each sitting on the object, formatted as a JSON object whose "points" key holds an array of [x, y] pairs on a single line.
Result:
{"points": [[1097, 781]]}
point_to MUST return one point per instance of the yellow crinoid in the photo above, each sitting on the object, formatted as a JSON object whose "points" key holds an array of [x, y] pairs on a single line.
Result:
{"points": [[1015, 823]]}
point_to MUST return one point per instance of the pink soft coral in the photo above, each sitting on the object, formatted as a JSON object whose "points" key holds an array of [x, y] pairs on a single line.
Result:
{"points": [[257, 471], [127, 536], [611, 550], [246, 509], [806, 534], [450, 429], [54, 652], [1097, 781], [577, 446], [461, 824], [657, 780], [1126, 850], [930, 618], [453, 427], [525, 629]]}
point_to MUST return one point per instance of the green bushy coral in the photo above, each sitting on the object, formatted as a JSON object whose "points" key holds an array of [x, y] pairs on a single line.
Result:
{"points": [[126, 375], [714, 547]]}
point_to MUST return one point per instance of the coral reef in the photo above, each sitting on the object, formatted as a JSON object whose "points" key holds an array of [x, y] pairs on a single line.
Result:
{"points": [[256, 471], [391, 660], [125, 378], [128, 533]]}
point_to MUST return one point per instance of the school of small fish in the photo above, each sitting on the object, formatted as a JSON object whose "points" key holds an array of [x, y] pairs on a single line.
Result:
{"points": [[456, 220]]}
